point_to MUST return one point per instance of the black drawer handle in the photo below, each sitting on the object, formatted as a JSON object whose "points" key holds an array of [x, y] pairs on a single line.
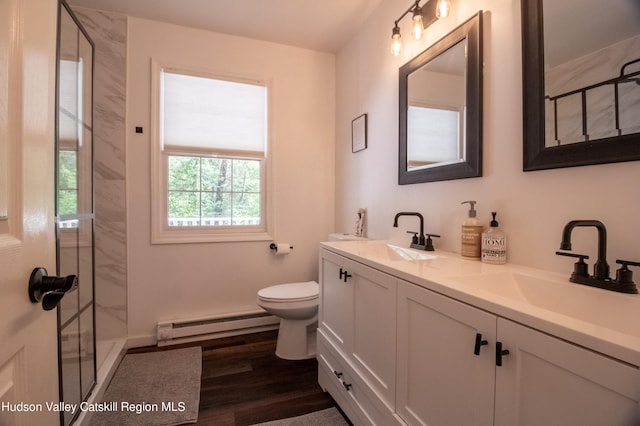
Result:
{"points": [[479, 342], [347, 386], [338, 375], [344, 275], [500, 353]]}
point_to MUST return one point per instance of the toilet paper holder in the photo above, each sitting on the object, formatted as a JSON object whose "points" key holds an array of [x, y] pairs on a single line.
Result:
{"points": [[274, 246]]}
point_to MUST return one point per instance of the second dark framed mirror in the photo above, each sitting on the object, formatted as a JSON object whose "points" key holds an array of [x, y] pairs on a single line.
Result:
{"points": [[581, 82]]}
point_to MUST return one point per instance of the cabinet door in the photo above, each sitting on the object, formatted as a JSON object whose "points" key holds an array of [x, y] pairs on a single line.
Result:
{"points": [[336, 300], [440, 379], [547, 381], [374, 321]]}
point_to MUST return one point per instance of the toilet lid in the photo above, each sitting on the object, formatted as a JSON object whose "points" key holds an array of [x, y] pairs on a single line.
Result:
{"points": [[289, 292]]}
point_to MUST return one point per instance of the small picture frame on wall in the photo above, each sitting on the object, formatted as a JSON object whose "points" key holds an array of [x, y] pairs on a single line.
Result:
{"points": [[359, 133]]}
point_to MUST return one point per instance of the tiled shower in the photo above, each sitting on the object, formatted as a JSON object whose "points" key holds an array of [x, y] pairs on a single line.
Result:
{"points": [[108, 32]]}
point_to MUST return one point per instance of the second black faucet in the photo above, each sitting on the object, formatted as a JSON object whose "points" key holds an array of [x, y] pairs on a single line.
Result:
{"points": [[420, 241], [623, 282]]}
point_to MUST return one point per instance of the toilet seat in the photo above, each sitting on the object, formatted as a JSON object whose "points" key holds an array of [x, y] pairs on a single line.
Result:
{"points": [[291, 292]]}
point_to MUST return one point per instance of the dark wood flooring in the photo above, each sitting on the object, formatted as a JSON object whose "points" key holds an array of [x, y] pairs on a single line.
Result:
{"points": [[243, 382]]}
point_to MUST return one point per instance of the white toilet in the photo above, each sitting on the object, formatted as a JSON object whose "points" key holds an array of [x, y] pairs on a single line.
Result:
{"points": [[296, 304]]}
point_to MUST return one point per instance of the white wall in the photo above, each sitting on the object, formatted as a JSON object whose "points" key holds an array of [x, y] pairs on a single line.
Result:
{"points": [[187, 280], [532, 207]]}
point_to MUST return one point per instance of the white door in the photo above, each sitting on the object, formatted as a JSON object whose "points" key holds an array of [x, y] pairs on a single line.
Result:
{"points": [[28, 335]]}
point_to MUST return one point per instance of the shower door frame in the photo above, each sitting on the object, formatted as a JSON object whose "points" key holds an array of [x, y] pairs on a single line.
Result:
{"points": [[81, 238]]}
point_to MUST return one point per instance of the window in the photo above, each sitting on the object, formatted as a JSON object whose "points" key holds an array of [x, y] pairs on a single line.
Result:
{"points": [[74, 154], [69, 140], [213, 191], [209, 158], [67, 188]]}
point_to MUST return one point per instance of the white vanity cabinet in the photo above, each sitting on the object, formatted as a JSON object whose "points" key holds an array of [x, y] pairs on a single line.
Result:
{"points": [[394, 352], [445, 377], [357, 337]]}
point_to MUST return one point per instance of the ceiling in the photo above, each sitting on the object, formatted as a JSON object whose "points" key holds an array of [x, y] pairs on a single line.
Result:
{"points": [[326, 25], [323, 25]]}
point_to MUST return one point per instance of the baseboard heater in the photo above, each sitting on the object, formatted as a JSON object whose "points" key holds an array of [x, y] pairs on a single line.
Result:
{"points": [[190, 330]]}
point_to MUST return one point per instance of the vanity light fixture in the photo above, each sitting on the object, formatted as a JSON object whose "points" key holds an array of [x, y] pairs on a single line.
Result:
{"points": [[422, 17]]}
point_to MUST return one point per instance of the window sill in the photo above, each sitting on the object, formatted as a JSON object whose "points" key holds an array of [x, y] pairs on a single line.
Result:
{"points": [[195, 235]]}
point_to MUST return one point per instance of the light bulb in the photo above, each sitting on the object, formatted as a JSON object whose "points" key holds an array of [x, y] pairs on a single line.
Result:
{"points": [[418, 27], [396, 43], [443, 8]]}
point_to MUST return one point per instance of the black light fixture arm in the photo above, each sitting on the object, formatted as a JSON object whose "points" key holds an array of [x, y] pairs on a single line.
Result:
{"points": [[411, 9]]}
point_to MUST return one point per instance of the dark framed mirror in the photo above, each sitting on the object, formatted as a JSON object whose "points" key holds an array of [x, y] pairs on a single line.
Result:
{"points": [[581, 82], [440, 109]]}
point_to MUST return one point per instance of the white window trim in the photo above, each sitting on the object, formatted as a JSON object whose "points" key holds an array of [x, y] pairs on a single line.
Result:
{"points": [[161, 232]]}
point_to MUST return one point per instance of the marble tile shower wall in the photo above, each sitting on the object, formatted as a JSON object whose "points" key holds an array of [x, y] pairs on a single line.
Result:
{"points": [[109, 34]]}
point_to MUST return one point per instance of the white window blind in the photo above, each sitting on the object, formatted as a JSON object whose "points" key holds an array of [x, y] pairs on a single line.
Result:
{"points": [[210, 114]]}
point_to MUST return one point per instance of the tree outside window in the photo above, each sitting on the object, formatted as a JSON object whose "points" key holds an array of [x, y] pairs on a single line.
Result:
{"points": [[204, 191]]}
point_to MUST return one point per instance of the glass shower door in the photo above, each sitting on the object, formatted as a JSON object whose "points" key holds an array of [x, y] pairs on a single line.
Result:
{"points": [[74, 211]]}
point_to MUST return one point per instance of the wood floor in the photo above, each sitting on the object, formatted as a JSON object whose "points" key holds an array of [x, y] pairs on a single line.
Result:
{"points": [[244, 383]]}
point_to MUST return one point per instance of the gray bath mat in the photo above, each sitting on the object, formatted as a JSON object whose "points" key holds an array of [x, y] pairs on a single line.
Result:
{"points": [[156, 388], [328, 417]]}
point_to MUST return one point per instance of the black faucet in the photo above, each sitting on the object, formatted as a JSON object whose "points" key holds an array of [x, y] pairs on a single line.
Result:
{"points": [[623, 282], [417, 242], [601, 267]]}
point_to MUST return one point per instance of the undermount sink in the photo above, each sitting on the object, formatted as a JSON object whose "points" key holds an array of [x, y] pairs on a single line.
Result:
{"points": [[409, 254], [604, 308], [390, 252]]}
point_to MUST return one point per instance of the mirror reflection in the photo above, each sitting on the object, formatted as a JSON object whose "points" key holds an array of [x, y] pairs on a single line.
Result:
{"points": [[436, 110], [592, 70]]}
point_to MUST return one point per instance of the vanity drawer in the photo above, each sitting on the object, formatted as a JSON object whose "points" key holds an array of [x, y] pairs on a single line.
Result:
{"points": [[337, 376]]}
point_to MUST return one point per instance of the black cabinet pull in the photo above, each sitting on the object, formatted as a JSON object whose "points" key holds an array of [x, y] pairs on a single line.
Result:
{"points": [[344, 275], [479, 342], [500, 353], [347, 386]]}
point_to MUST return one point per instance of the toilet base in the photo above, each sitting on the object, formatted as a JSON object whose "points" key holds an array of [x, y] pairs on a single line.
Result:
{"points": [[297, 339]]}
